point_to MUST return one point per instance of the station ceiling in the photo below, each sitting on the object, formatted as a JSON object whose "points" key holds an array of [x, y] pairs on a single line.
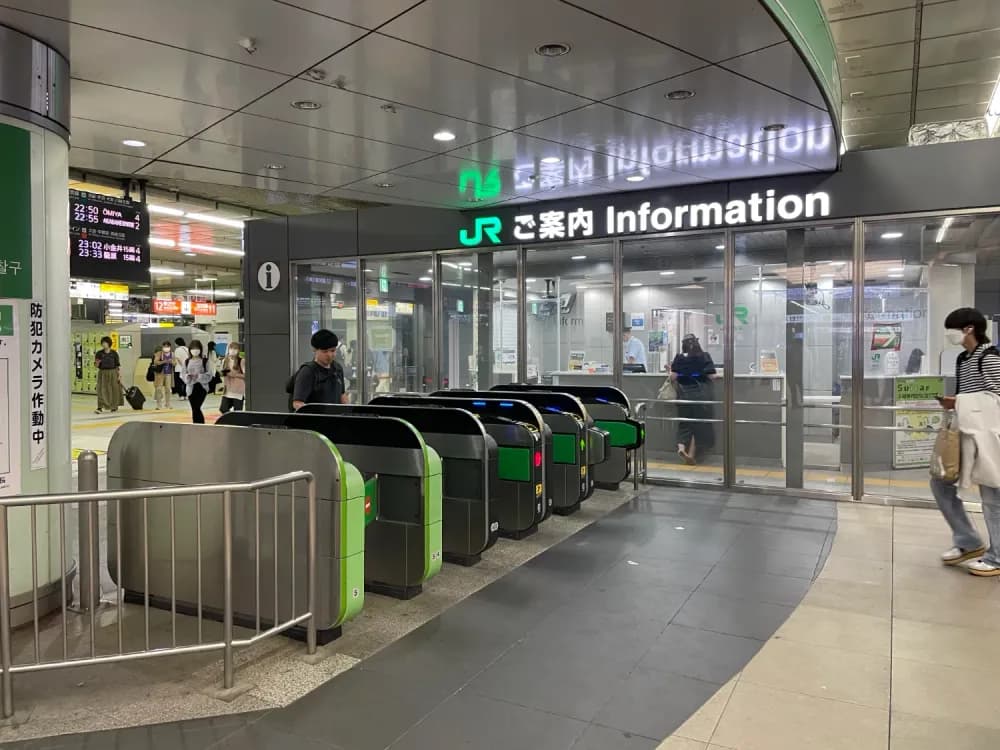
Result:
{"points": [[316, 104]]}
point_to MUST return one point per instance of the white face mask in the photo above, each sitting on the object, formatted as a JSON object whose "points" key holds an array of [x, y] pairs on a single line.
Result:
{"points": [[955, 338], [196, 352], [166, 349]]}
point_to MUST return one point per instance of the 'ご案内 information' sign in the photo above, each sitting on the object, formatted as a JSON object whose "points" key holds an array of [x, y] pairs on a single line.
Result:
{"points": [[15, 197], [108, 238]]}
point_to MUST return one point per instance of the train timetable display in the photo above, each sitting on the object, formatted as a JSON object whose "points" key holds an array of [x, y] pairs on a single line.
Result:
{"points": [[108, 238]]}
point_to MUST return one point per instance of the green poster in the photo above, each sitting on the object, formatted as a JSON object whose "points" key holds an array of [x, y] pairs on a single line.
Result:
{"points": [[6, 320], [15, 196], [920, 389]]}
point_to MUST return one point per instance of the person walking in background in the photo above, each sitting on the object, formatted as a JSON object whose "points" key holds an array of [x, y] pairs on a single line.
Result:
{"points": [[693, 372], [109, 380], [163, 375], [233, 380], [196, 377], [181, 354], [213, 367]]}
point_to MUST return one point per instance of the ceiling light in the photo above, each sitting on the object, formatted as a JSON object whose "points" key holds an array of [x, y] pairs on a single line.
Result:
{"points": [[191, 255], [384, 185], [634, 178], [156, 271], [896, 270], [720, 247], [580, 286], [838, 263], [667, 273], [133, 143], [895, 275], [212, 292], [635, 283], [579, 257], [551, 160], [828, 275], [426, 278], [530, 281], [444, 136], [943, 230], [429, 270], [774, 127], [306, 104], [679, 94], [891, 235], [207, 278], [209, 249], [209, 219], [552, 49], [274, 166], [160, 242], [368, 270], [163, 210]]}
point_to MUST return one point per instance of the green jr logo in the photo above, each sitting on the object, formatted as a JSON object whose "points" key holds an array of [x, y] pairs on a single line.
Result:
{"points": [[485, 225]]}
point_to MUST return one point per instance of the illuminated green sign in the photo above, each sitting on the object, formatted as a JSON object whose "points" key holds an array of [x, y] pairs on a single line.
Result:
{"points": [[483, 186], [383, 286], [489, 226]]}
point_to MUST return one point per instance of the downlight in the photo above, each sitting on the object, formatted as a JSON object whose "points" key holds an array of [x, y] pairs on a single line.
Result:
{"points": [[306, 104], [552, 49], [774, 127], [679, 94]]}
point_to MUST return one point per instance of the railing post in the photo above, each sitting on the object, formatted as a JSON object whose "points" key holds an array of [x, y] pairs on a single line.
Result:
{"points": [[6, 680], [311, 569], [227, 589], [90, 592]]}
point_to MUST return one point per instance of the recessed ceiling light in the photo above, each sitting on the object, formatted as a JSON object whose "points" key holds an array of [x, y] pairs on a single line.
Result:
{"points": [[679, 94], [159, 271], [897, 270], [530, 281], [210, 249], [551, 160], [828, 275], [426, 278], [191, 255], [720, 247], [163, 210], [667, 273], [274, 166], [891, 235], [160, 242], [580, 286], [210, 219], [895, 275], [390, 108], [465, 265], [316, 74], [635, 283], [306, 104], [444, 136], [774, 127], [634, 178], [579, 257], [384, 185], [552, 49], [133, 143]]}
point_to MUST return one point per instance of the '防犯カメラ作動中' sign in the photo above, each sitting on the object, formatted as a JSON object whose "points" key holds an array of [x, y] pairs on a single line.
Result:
{"points": [[624, 214]]}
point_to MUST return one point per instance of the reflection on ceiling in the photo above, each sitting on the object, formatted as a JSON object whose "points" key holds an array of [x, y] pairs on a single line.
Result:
{"points": [[313, 104]]}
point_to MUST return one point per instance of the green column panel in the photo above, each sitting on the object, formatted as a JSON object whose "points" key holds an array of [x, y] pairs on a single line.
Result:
{"points": [[352, 531], [433, 492], [15, 197]]}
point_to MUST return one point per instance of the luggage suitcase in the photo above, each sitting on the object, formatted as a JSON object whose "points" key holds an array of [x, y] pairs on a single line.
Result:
{"points": [[135, 398]]}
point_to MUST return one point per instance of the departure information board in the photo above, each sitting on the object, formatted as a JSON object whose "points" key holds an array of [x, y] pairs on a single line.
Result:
{"points": [[108, 238]]}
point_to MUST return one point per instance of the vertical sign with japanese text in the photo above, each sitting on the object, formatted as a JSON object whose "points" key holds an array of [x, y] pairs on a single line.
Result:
{"points": [[15, 197], [38, 430], [10, 403]]}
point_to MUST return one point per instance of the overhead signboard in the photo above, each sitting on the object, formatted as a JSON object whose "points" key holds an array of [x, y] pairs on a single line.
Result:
{"points": [[163, 306], [108, 238], [95, 290]]}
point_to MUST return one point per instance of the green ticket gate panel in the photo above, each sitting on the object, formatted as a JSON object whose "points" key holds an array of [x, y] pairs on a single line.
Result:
{"points": [[610, 409], [567, 472], [468, 461], [144, 454], [517, 490], [403, 542]]}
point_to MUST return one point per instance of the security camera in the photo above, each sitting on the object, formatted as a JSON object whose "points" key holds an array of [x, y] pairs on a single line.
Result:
{"points": [[249, 44]]}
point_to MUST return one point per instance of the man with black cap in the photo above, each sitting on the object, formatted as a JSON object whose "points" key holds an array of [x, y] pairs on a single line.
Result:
{"points": [[322, 380]]}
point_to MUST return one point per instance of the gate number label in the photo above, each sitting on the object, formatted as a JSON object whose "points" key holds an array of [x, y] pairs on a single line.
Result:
{"points": [[268, 276]]}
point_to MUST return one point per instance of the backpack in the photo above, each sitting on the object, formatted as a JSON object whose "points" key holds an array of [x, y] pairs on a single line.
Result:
{"points": [[979, 364], [336, 372]]}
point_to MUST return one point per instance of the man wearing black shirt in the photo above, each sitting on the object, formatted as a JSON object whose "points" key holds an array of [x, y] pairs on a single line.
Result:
{"points": [[322, 380]]}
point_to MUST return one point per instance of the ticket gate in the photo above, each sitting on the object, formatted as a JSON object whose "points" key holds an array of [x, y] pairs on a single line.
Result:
{"points": [[611, 412], [566, 471], [403, 541], [145, 454], [468, 461], [517, 494]]}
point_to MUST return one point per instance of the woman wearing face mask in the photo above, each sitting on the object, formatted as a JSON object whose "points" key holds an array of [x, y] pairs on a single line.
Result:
{"points": [[109, 381], [693, 372], [163, 375], [233, 380], [196, 377], [977, 371]]}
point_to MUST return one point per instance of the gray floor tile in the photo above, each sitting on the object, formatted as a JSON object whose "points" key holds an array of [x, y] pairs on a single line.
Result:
{"points": [[474, 721], [770, 560], [801, 542], [257, 737], [723, 614], [752, 584], [654, 703], [641, 570], [605, 738], [702, 654]]}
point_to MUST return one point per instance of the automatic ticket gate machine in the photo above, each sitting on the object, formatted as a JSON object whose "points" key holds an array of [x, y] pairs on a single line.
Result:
{"points": [[612, 412], [403, 540], [145, 454], [517, 493], [468, 461], [566, 469]]}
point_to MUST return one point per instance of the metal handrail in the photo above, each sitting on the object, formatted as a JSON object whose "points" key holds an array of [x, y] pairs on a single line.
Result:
{"points": [[86, 499]]}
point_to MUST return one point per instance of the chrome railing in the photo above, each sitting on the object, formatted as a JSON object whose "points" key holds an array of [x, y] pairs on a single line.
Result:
{"points": [[89, 579]]}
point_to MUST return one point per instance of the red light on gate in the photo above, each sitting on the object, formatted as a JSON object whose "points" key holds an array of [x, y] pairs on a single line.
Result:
{"points": [[538, 459]]}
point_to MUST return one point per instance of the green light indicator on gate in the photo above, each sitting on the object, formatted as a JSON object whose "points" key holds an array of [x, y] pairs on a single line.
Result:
{"points": [[460, 306], [383, 285]]}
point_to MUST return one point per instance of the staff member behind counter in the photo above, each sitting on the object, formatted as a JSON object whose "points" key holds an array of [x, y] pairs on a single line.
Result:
{"points": [[635, 352]]}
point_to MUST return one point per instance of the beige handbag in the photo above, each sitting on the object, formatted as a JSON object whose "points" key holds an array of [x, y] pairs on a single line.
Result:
{"points": [[668, 391], [946, 458]]}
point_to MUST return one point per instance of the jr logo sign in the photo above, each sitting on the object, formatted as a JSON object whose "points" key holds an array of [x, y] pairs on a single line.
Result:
{"points": [[489, 226]]}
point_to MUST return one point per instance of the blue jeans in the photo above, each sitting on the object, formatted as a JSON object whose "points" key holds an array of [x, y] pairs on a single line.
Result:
{"points": [[964, 533]]}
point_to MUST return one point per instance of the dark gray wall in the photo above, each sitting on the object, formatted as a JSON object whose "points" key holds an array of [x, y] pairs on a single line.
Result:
{"points": [[267, 316]]}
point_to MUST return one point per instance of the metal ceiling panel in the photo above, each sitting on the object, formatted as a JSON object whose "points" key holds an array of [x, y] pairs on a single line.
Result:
{"points": [[52, 32], [960, 74], [378, 198], [724, 106], [366, 13], [878, 124], [104, 161], [782, 68], [862, 106], [840, 9], [253, 162], [396, 71], [104, 136], [111, 59], [412, 189], [94, 101], [877, 140], [959, 16], [279, 188], [958, 47], [947, 114], [874, 31], [604, 59], [880, 84], [467, 177], [954, 96], [712, 29], [356, 114], [251, 131], [816, 148], [864, 62], [737, 164]]}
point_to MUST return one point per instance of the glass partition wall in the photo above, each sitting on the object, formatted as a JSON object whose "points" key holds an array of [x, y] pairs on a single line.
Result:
{"points": [[802, 359]]}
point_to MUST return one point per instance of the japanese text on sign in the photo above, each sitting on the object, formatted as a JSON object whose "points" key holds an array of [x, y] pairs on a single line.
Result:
{"points": [[36, 356]]}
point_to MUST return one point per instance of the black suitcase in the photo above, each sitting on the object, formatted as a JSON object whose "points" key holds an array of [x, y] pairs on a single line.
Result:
{"points": [[135, 398]]}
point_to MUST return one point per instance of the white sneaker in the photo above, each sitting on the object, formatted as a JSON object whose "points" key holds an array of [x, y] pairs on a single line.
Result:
{"points": [[956, 555], [983, 568]]}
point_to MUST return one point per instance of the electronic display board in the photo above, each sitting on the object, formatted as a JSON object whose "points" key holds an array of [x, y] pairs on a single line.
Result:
{"points": [[108, 238]]}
